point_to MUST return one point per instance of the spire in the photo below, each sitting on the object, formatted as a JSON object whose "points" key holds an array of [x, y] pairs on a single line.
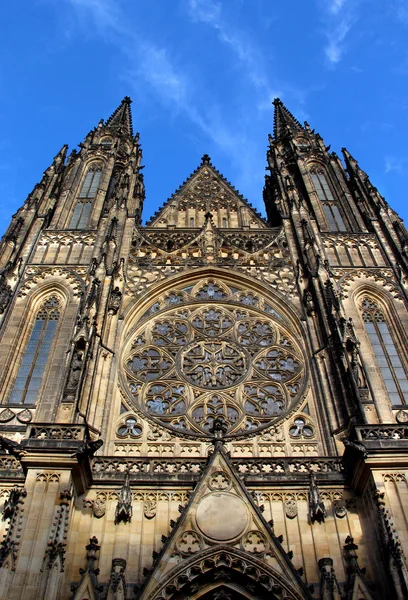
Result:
{"points": [[121, 118], [284, 122]]}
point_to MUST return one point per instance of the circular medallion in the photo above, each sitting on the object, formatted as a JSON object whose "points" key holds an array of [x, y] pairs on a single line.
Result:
{"points": [[222, 516], [213, 364], [401, 416]]}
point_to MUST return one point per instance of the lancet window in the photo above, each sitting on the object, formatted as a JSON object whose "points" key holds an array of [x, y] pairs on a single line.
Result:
{"points": [[82, 210], [36, 354], [331, 210], [386, 353]]}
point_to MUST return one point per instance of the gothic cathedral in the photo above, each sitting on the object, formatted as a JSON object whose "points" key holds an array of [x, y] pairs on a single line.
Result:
{"points": [[211, 406]]}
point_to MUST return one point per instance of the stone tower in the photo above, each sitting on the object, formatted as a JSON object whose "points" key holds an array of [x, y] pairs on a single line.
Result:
{"points": [[213, 405]]}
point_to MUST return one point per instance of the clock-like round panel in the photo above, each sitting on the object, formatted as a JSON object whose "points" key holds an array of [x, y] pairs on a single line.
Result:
{"points": [[222, 516]]}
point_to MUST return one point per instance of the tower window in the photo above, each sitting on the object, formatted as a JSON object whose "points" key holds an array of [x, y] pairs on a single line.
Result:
{"points": [[387, 356], [36, 354], [325, 195], [80, 216], [91, 182], [334, 217], [224, 222], [82, 210], [322, 187], [191, 221]]}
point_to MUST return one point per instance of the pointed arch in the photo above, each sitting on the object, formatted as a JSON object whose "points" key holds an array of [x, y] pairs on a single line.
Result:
{"points": [[32, 367], [324, 191], [87, 192], [389, 359], [28, 353], [289, 312], [225, 570]]}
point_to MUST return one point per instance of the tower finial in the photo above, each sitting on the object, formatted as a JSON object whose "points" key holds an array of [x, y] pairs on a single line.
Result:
{"points": [[121, 118], [284, 122]]}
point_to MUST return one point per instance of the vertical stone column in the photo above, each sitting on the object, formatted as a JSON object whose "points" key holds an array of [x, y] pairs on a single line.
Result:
{"points": [[43, 486]]}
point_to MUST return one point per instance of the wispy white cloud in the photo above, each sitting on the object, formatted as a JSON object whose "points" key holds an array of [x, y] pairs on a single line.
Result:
{"points": [[169, 83], [335, 48], [337, 18], [246, 51], [401, 11], [336, 5], [105, 14], [396, 165]]}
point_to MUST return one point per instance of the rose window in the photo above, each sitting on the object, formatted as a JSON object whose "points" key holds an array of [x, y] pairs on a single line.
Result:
{"points": [[185, 366], [216, 364]]}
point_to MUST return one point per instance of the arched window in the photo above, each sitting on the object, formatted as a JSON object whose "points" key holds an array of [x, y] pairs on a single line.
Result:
{"points": [[386, 353], [91, 182], [330, 208], [82, 211], [36, 354]]}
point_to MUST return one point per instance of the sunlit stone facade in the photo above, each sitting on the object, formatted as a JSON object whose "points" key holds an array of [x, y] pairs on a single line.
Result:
{"points": [[211, 405]]}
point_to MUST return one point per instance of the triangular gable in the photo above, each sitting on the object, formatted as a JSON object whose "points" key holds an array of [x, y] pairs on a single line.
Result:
{"points": [[207, 191], [359, 590], [221, 529], [86, 590]]}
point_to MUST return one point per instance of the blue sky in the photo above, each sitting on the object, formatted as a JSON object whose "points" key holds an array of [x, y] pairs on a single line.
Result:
{"points": [[202, 75]]}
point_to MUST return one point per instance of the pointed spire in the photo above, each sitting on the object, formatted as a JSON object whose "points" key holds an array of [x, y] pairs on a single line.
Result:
{"points": [[121, 118], [284, 122]]}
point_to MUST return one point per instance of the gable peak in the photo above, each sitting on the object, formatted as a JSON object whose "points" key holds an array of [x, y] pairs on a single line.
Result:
{"points": [[207, 189], [223, 524]]}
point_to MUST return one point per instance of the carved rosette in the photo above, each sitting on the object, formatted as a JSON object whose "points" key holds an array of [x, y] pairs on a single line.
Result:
{"points": [[189, 542], [186, 366]]}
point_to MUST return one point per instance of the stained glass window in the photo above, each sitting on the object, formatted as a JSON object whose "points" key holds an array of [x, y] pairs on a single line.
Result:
{"points": [[325, 195], [80, 217], [386, 353], [91, 183], [36, 354], [82, 210]]}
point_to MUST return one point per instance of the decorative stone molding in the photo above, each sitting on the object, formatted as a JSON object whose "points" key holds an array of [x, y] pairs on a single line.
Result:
{"points": [[13, 510], [67, 238], [382, 276], [57, 541], [57, 432], [291, 509], [36, 275], [150, 508], [123, 511], [284, 467], [44, 477], [189, 542]]}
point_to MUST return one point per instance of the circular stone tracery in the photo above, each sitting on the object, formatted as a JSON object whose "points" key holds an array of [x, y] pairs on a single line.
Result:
{"points": [[186, 366], [213, 364]]}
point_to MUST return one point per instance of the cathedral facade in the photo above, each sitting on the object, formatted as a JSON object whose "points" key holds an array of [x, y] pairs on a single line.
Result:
{"points": [[211, 406]]}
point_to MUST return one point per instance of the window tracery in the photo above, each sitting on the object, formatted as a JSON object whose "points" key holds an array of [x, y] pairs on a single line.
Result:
{"points": [[82, 210], [324, 193], [387, 356], [35, 358], [129, 428], [300, 428], [185, 366]]}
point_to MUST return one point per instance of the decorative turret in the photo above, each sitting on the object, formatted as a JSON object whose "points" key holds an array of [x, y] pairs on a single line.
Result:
{"points": [[285, 124], [121, 119]]}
